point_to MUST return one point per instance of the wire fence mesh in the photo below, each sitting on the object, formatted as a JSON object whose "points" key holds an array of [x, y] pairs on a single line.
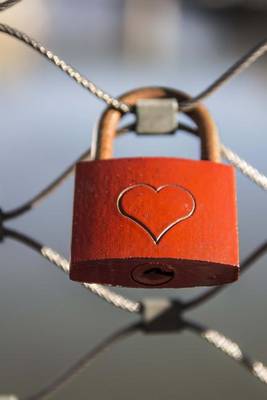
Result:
{"points": [[173, 317]]}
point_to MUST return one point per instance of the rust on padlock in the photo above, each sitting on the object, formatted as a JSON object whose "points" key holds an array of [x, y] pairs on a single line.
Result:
{"points": [[154, 221]]}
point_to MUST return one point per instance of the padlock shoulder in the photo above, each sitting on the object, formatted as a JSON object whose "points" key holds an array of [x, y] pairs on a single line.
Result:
{"points": [[133, 160]]}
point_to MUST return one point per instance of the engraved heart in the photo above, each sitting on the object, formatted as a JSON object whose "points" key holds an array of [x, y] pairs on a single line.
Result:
{"points": [[156, 210]]}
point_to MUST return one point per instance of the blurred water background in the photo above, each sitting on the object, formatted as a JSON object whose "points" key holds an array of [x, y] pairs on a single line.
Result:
{"points": [[46, 321]]}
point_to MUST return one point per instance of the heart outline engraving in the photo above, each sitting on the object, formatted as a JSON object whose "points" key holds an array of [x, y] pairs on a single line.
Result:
{"points": [[156, 239]]}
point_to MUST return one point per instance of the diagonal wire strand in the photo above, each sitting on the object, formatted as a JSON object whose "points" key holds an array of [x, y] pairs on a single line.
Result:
{"points": [[213, 337], [68, 69], [210, 293], [113, 298], [247, 169], [55, 258], [244, 167], [50, 188], [84, 362], [101, 291], [231, 349], [240, 66], [44, 193]]}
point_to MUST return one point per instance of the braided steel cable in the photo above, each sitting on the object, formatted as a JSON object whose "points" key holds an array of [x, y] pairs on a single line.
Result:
{"points": [[106, 294], [233, 158], [231, 349], [101, 291], [127, 304], [55, 258], [245, 168], [213, 337], [240, 66], [113, 298], [69, 70]]}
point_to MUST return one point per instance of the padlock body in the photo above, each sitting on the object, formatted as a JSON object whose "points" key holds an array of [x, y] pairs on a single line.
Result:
{"points": [[155, 222]]}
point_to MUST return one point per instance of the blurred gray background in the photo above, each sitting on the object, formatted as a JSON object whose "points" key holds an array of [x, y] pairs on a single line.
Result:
{"points": [[46, 321]]}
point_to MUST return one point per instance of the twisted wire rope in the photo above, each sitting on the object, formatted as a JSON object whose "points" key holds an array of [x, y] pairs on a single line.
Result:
{"points": [[230, 349], [237, 68], [213, 337], [108, 295], [68, 69], [247, 169], [244, 167], [62, 263], [102, 291]]}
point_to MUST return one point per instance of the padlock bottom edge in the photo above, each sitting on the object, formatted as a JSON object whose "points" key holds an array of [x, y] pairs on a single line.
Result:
{"points": [[154, 273]]}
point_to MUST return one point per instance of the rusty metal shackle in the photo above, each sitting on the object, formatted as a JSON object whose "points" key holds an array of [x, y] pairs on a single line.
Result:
{"points": [[207, 129]]}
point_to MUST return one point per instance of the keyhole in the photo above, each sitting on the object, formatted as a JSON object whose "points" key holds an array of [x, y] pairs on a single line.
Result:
{"points": [[153, 275]]}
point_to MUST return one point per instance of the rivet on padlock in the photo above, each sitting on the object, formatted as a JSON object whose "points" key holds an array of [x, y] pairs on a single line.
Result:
{"points": [[155, 222]]}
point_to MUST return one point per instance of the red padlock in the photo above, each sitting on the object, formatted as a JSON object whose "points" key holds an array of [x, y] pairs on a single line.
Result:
{"points": [[155, 222]]}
